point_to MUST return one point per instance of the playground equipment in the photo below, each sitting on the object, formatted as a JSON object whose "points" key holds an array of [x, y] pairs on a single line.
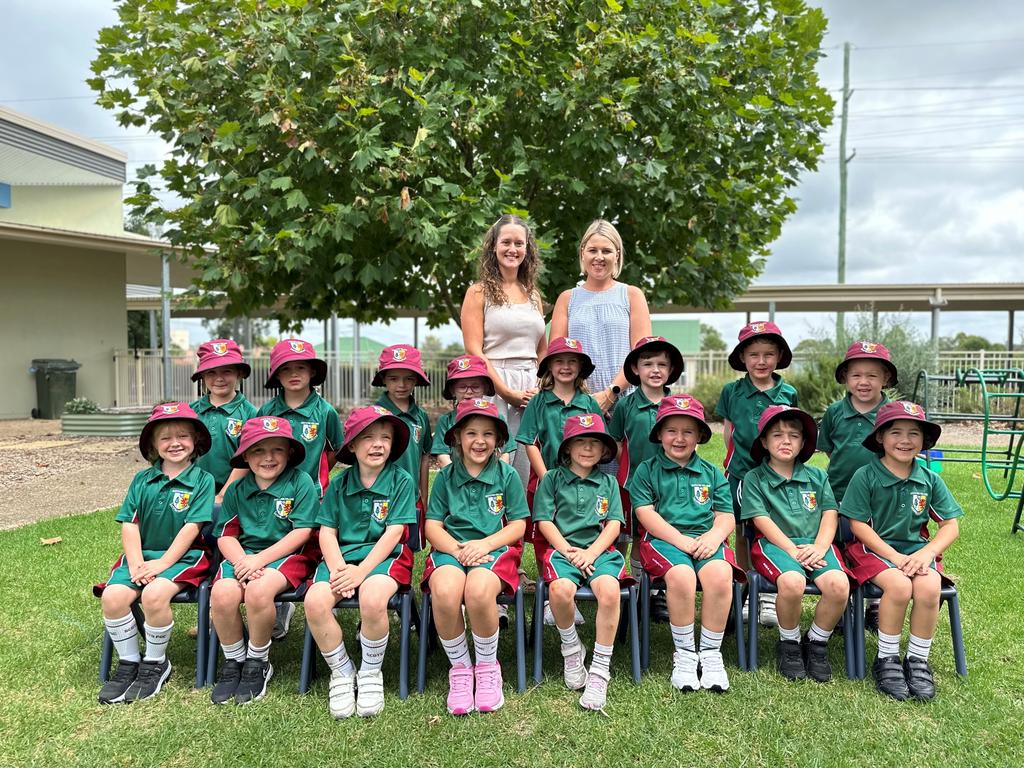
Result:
{"points": [[995, 397]]}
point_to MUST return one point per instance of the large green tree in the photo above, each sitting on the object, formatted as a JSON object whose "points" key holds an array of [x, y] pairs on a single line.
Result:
{"points": [[350, 155]]}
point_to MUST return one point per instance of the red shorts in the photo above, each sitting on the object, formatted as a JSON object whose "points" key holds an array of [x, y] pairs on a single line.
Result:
{"points": [[865, 564], [505, 566]]}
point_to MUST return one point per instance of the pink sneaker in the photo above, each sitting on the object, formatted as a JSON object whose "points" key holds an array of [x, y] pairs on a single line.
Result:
{"points": [[460, 690], [489, 696]]}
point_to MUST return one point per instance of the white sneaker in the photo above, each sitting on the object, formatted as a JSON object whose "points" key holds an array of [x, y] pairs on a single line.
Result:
{"points": [[595, 695], [283, 620], [369, 693], [549, 618], [712, 672], [573, 670], [766, 610], [341, 695], [684, 670]]}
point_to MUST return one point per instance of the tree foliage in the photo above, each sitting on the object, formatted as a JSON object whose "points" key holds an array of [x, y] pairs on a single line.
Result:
{"points": [[350, 155]]}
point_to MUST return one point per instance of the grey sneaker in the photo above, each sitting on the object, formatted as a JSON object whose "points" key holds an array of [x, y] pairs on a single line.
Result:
{"points": [[283, 620]]}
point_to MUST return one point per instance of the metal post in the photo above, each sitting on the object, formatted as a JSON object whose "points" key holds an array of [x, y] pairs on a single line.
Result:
{"points": [[248, 336], [874, 322], [357, 378], [335, 362], [165, 306], [416, 331], [937, 302], [1009, 335], [153, 343], [843, 160], [771, 311]]}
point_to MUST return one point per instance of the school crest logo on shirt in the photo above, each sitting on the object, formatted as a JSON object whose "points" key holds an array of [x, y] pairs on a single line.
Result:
{"points": [[297, 346], [417, 433], [170, 408], [683, 403], [913, 409], [587, 420], [270, 424], [380, 410], [572, 343], [283, 508], [220, 348], [399, 355], [496, 503], [756, 327], [380, 510], [919, 501], [869, 347], [701, 493], [180, 500], [809, 500], [310, 429], [463, 363], [233, 427], [602, 506]]}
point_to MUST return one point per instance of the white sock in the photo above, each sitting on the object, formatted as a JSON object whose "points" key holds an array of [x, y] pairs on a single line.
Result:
{"points": [[157, 639], [888, 645], [486, 648], [339, 661], [817, 634], [125, 634], [234, 651], [682, 637], [711, 641], [457, 649], [919, 647], [372, 653], [260, 652], [790, 634], [601, 661], [569, 636]]}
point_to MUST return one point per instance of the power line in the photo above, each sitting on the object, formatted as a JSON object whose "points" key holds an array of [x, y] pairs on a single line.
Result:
{"points": [[949, 44]]}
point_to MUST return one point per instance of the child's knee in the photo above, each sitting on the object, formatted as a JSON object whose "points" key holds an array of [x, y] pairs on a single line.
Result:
{"points": [[790, 586], [716, 580], [373, 602], [154, 597], [225, 595], [116, 601], [446, 591], [481, 591], [681, 580], [927, 590], [898, 589], [562, 591], [834, 587], [319, 602], [606, 590]]}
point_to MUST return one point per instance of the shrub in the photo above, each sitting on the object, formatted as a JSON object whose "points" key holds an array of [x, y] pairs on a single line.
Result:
{"points": [[707, 390], [81, 405]]}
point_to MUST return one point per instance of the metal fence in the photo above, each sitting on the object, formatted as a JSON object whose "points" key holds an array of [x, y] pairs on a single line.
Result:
{"points": [[138, 375]]}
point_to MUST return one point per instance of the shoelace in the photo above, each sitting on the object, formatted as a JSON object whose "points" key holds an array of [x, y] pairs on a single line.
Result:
{"points": [[252, 672], [461, 683], [488, 678], [712, 662], [148, 671], [124, 673]]}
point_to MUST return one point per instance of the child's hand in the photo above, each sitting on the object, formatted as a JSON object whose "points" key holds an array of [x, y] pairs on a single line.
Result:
{"points": [[347, 579], [918, 563], [471, 553], [244, 566], [582, 559], [219, 498], [810, 557], [705, 545]]}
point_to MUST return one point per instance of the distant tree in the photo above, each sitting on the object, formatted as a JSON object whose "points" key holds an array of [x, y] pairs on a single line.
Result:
{"points": [[711, 339], [966, 342], [234, 328], [138, 329]]}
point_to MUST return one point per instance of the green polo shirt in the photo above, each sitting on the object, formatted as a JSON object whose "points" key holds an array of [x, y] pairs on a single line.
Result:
{"points": [[795, 505], [578, 506], [161, 506], [544, 419], [897, 509], [444, 422], [476, 507], [742, 404], [225, 425], [687, 498], [261, 518], [419, 436], [360, 515], [633, 419], [840, 434], [316, 425]]}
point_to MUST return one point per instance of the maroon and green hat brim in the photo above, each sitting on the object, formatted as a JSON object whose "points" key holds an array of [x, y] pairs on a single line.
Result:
{"points": [[467, 409], [260, 428], [652, 345], [179, 411], [360, 419], [773, 414], [906, 411]]}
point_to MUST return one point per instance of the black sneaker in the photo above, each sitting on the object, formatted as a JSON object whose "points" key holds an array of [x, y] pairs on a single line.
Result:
{"points": [[920, 681], [871, 618], [256, 673], [659, 607], [791, 660], [151, 678], [889, 677], [816, 660], [228, 675], [117, 684]]}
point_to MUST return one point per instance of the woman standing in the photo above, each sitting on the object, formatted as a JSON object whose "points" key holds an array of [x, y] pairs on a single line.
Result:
{"points": [[503, 320]]}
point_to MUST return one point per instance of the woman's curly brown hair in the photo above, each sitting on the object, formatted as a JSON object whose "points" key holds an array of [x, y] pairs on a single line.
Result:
{"points": [[489, 274]]}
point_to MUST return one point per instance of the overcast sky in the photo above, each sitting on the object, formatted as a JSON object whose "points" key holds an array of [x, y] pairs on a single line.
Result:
{"points": [[937, 122]]}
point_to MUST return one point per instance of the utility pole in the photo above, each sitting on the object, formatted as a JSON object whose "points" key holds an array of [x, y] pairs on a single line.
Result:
{"points": [[843, 160]]}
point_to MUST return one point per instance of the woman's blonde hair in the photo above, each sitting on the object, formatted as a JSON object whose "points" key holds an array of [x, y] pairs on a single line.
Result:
{"points": [[604, 229], [488, 272]]}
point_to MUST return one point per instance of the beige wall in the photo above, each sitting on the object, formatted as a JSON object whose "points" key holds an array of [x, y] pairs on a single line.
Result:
{"points": [[64, 303], [82, 209]]}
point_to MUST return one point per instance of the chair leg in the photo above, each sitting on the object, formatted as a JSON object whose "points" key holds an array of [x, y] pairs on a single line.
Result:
{"points": [[752, 597], [538, 631], [405, 629], [211, 655], [424, 643], [737, 620], [308, 661], [850, 643], [202, 633], [520, 620], [858, 632], [959, 654], [634, 636], [645, 620], [106, 656]]}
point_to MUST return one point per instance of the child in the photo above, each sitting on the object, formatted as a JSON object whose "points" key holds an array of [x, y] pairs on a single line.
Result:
{"points": [[796, 516], [161, 519], [265, 524], [684, 517], [467, 379], [761, 351], [400, 372], [475, 524], [578, 511], [362, 536], [223, 409], [889, 502]]}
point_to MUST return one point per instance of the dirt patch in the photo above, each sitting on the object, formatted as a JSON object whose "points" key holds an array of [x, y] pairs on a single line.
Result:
{"points": [[45, 474]]}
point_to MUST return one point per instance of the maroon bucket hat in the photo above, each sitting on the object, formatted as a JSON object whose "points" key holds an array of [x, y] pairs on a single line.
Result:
{"points": [[775, 412], [360, 419], [403, 357], [291, 350], [588, 425], [467, 367], [261, 428], [171, 412], [902, 409], [767, 331], [868, 350], [650, 344], [680, 405], [562, 345], [218, 354], [477, 407]]}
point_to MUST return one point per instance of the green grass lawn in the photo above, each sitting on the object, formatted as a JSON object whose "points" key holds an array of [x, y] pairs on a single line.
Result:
{"points": [[50, 629]]}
